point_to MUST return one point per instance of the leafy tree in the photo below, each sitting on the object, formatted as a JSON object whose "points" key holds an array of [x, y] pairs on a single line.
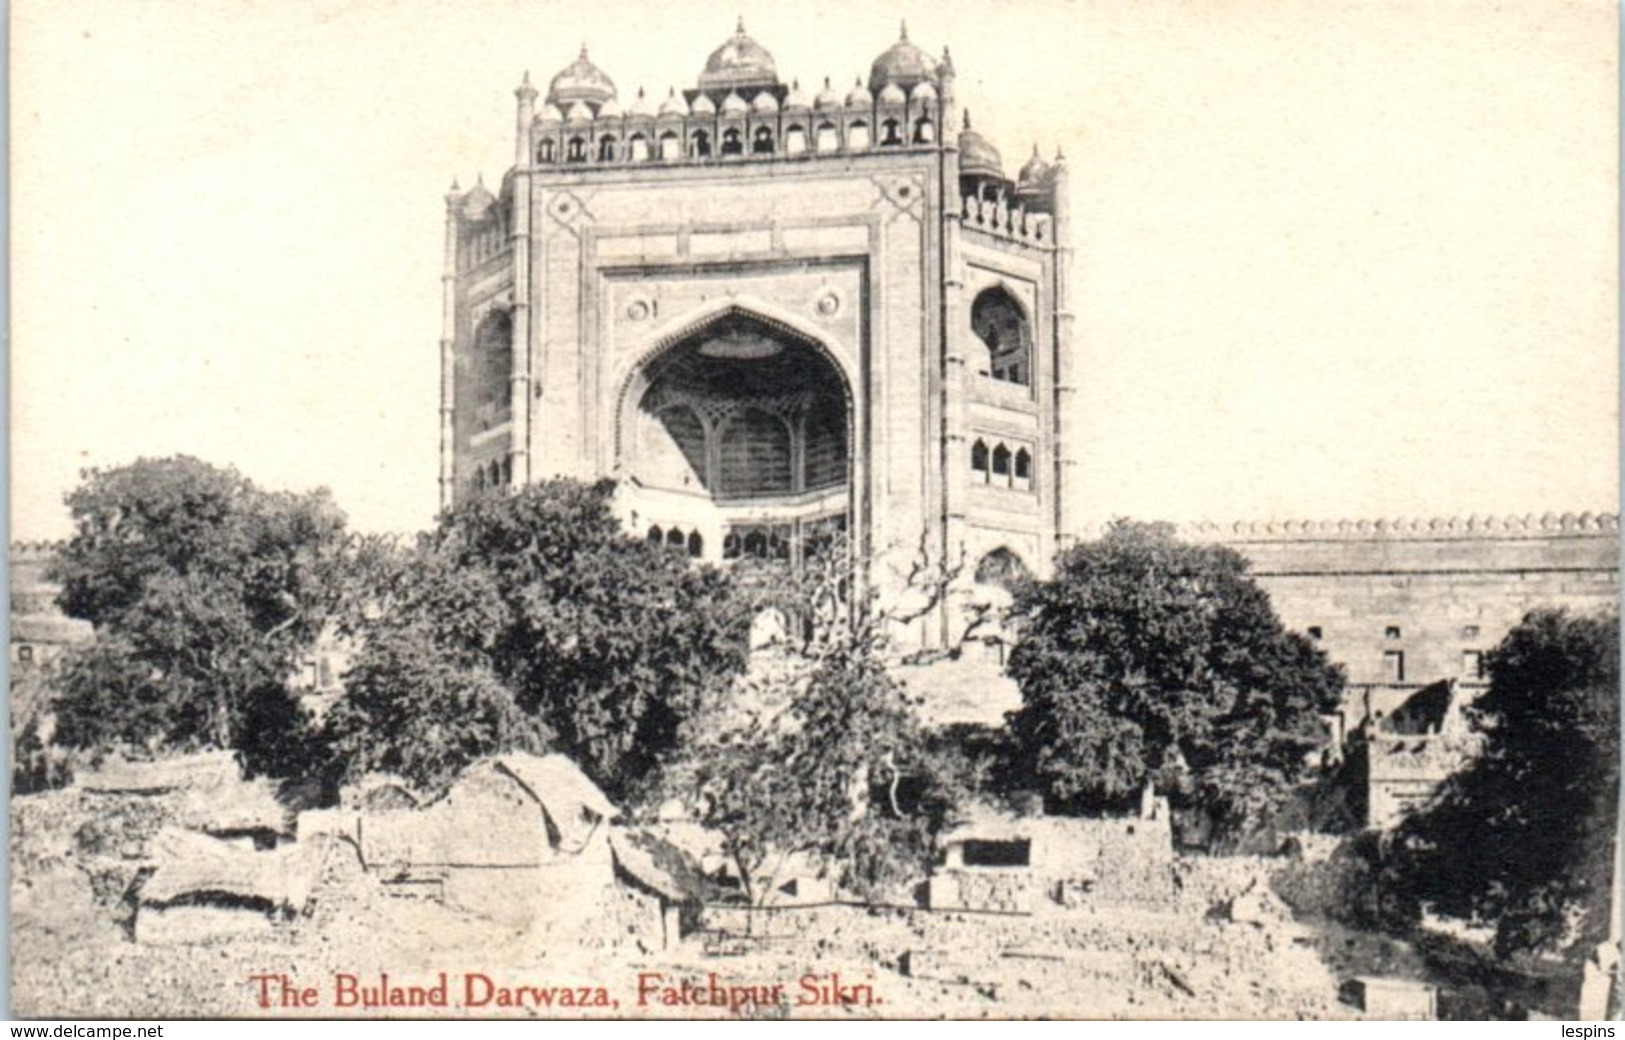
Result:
{"points": [[820, 753], [1145, 659], [204, 591], [527, 620], [1523, 836]]}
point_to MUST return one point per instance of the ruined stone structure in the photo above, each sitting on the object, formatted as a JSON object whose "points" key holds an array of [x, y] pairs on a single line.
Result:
{"points": [[773, 313], [39, 629], [1410, 608], [1404, 604]]}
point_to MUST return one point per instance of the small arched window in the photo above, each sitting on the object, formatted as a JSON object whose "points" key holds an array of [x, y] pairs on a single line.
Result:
{"points": [[670, 147], [606, 148], [696, 545], [638, 148], [795, 140], [1024, 464], [576, 150], [731, 143], [978, 460], [761, 142], [507, 471], [925, 131], [674, 537], [700, 144], [545, 151], [656, 535], [828, 139], [890, 134], [857, 135], [1001, 461]]}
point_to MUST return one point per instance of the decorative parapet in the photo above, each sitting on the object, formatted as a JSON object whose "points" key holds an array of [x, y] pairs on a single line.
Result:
{"points": [[1549, 525], [487, 243], [34, 550], [485, 223], [696, 130], [1014, 223]]}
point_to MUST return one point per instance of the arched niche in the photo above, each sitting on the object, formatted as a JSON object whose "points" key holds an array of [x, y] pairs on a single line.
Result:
{"points": [[1002, 569], [999, 321], [492, 370]]}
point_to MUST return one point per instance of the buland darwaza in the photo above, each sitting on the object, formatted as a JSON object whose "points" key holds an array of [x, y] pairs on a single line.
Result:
{"points": [[771, 313]]}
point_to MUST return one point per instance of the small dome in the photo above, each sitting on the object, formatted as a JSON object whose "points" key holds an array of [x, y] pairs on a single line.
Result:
{"points": [[796, 101], [858, 97], [740, 62], [734, 105], [978, 158], [581, 80], [827, 98], [764, 104], [923, 91], [643, 107], [579, 113], [1035, 184], [550, 114], [903, 64], [893, 95], [704, 106], [476, 203], [674, 105], [1033, 172]]}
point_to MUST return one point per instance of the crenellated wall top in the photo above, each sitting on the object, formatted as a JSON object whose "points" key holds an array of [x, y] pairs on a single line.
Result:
{"points": [[1529, 525]]}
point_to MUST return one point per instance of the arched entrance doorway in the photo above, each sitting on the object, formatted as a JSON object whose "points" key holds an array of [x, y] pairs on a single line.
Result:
{"points": [[740, 432]]}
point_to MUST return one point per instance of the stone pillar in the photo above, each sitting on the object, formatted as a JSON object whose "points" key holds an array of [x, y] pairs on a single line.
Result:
{"points": [[948, 112], [955, 328], [448, 354], [1067, 427], [519, 224]]}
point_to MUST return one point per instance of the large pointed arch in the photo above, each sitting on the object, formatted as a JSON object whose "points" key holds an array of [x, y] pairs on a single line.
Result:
{"points": [[631, 377], [742, 425]]}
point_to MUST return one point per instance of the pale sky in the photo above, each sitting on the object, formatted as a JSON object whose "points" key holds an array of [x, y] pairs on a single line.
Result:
{"points": [[1335, 259]]}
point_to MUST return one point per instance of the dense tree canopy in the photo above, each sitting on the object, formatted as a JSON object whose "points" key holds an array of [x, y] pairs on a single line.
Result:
{"points": [[1145, 659], [820, 754], [1523, 836], [204, 591], [531, 619]]}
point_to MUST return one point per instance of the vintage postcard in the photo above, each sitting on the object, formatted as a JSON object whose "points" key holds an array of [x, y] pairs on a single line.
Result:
{"points": [[664, 510]]}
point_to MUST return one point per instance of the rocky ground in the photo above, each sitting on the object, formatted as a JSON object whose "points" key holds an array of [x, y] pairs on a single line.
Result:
{"points": [[1205, 955]]}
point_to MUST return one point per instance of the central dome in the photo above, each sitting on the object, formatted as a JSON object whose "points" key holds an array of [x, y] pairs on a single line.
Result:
{"points": [[740, 62], [903, 64]]}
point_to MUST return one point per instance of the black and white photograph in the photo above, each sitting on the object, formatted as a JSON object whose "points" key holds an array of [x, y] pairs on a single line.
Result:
{"points": [[982, 510]]}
